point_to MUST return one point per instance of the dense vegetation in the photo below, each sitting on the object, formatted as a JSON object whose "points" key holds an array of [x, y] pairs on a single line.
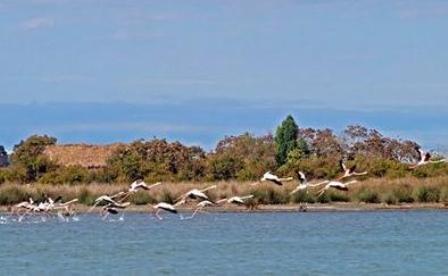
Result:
{"points": [[385, 191], [246, 157]]}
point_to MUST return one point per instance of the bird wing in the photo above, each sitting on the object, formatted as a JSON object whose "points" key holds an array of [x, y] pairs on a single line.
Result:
{"points": [[420, 153], [236, 200], [302, 177], [319, 184], [221, 200], [154, 185], [352, 169], [276, 181]]}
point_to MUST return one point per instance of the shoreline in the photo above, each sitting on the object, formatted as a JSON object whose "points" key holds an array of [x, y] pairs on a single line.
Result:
{"points": [[283, 208]]}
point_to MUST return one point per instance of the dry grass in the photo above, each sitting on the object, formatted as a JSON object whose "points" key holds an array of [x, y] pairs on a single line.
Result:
{"points": [[370, 191], [84, 155]]}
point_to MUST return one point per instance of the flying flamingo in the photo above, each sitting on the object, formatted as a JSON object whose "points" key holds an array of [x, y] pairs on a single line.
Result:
{"points": [[200, 206], [112, 209], [238, 200], [195, 194], [303, 184], [349, 172], [164, 206], [135, 187], [141, 185], [337, 185], [105, 199], [25, 205], [425, 158], [269, 177]]}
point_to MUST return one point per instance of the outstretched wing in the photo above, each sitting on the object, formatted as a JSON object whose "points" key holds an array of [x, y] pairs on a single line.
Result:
{"points": [[352, 169], [278, 182], [302, 177]]}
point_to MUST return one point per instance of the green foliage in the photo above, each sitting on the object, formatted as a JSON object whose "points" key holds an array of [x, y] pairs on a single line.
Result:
{"points": [[270, 196], [3, 175], [403, 194], [224, 167], [286, 139], [28, 157], [243, 157], [444, 194], [389, 198], [13, 195], [335, 196], [368, 196], [426, 194], [86, 197], [302, 196], [142, 198], [166, 196], [324, 198], [67, 175], [156, 159]]}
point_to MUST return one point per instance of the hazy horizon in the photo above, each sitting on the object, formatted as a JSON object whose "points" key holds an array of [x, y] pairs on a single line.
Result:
{"points": [[195, 71], [201, 123]]}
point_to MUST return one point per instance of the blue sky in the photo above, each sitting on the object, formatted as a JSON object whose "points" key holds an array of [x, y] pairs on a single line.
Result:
{"points": [[199, 70]]}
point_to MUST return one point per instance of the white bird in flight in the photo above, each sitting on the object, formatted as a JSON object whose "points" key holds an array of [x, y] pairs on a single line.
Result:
{"points": [[303, 184], [238, 200], [164, 206], [268, 176], [425, 158], [195, 194], [337, 185], [135, 187], [141, 185], [201, 205], [106, 199], [349, 172]]}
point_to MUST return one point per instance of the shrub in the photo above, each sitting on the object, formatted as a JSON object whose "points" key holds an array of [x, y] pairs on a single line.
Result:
{"points": [[166, 196], [302, 197], [426, 194], [389, 198], [368, 196], [403, 194], [86, 197], [270, 196], [142, 198], [3, 176], [28, 155], [444, 195], [323, 198], [338, 197], [13, 195]]}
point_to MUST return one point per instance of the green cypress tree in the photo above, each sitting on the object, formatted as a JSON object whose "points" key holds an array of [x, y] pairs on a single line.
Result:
{"points": [[286, 139]]}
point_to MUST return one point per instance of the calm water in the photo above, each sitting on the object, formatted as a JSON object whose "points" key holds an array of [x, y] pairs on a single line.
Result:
{"points": [[393, 243]]}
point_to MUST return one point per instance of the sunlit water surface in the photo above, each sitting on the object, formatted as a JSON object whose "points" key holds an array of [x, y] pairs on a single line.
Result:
{"points": [[350, 243]]}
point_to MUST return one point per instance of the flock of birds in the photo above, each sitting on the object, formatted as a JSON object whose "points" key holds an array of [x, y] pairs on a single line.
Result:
{"points": [[112, 204]]}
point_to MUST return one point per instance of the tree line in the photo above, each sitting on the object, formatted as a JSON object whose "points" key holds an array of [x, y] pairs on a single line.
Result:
{"points": [[244, 157]]}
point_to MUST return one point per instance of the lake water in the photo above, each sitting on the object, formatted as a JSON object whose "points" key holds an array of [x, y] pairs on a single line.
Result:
{"points": [[320, 243]]}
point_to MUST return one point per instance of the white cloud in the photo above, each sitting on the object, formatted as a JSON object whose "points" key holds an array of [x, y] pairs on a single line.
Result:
{"points": [[37, 23]]}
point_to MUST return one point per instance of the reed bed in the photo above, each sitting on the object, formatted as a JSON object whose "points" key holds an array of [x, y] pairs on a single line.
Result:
{"points": [[381, 190]]}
